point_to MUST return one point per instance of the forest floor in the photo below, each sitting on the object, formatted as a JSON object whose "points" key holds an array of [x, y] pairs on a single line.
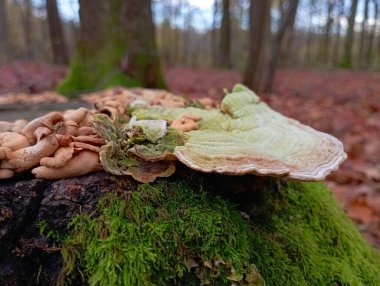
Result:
{"points": [[345, 104]]}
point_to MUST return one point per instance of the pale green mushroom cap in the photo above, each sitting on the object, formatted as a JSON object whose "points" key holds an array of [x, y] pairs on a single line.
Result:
{"points": [[248, 137]]}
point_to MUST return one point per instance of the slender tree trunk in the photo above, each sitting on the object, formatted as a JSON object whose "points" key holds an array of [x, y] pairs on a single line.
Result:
{"points": [[57, 40], [28, 29], [4, 38], [363, 34], [328, 26], [371, 38], [347, 57], [286, 19], [214, 54], [336, 49], [259, 19], [225, 37]]}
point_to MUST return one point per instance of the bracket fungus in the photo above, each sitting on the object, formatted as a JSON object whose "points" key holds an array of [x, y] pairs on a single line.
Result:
{"points": [[247, 137], [142, 133]]}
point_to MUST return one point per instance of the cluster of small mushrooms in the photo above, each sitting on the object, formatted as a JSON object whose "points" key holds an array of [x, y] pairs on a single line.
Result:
{"points": [[140, 128]]}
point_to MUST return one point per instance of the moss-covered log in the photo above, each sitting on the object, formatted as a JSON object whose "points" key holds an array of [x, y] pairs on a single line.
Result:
{"points": [[182, 230], [218, 230], [117, 49]]}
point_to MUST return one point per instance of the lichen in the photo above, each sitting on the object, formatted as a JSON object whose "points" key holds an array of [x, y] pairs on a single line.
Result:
{"points": [[172, 232]]}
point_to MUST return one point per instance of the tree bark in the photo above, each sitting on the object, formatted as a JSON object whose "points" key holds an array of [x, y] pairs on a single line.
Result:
{"points": [[259, 19], [57, 40], [347, 57], [287, 19], [116, 47], [4, 38], [225, 37]]}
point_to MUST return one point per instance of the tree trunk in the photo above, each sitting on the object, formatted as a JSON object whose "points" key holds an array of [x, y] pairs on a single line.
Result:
{"points": [[28, 30], [371, 39], [338, 33], [57, 40], [363, 33], [214, 55], [286, 19], [290, 233], [347, 57], [4, 38], [328, 25], [259, 19], [116, 47], [225, 37]]}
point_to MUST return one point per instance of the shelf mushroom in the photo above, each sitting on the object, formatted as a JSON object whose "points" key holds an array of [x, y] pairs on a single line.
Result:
{"points": [[247, 137]]}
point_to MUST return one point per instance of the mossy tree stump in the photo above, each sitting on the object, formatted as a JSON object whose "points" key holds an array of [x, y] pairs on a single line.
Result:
{"points": [[189, 228]]}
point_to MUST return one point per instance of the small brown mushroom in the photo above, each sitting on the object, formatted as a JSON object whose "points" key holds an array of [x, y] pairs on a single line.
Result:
{"points": [[60, 158], [185, 124], [85, 146], [76, 115], [6, 126], [95, 140], [6, 173], [41, 132], [19, 125], [13, 140], [49, 120], [26, 158], [5, 152], [83, 163], [69, 127], [85, 130]]}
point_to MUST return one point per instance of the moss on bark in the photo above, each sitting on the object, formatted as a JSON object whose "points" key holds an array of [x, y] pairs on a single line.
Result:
{"points": [[108, 51], [296, 235]]}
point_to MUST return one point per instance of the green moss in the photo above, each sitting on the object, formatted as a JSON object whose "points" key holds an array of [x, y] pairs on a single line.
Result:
{"points": [[152, 237], [295, 236], [302, 237]]}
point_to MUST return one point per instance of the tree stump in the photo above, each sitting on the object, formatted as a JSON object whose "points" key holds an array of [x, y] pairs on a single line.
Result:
{"points": [[285, 233]]}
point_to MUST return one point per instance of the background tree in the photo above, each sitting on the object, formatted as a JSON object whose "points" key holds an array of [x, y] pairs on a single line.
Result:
{"points": [[4, 40], [225, 37], [57, 40], [258, 29], [287, 20], [347, 57], [116, 49], [28, 29]]}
